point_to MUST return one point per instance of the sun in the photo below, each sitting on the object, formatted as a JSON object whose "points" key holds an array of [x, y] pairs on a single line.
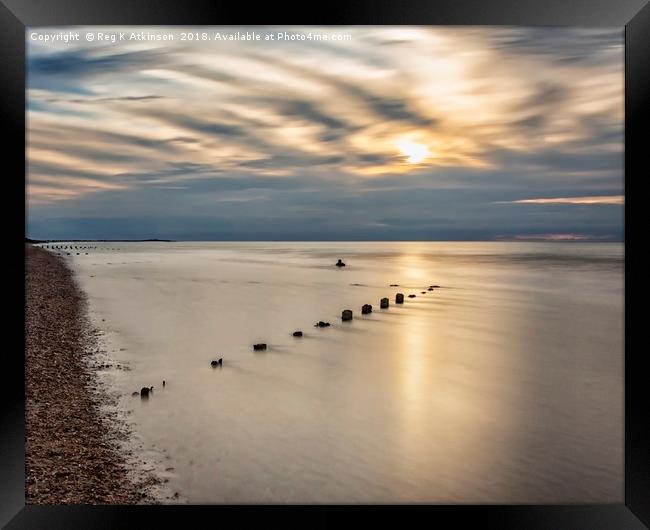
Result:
{"points": [[414, 152]]}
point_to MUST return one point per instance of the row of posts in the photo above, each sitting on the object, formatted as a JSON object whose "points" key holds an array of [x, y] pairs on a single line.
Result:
{"points": [[367, 308]]}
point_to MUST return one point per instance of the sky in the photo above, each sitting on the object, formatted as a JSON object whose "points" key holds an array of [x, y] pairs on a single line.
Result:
{"points": [[359, 133]]}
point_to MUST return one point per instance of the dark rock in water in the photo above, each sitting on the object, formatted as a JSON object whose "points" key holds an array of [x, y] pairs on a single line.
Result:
{"points": [[383, 303], [411, 296], [394, 285], [365, 309], [214, 364], [339, 263], [163, 383], [144, 392], [259, 347], [135, 394], [430, 289], [424, 292], [346, 315], [434, 286], [399, 298], [297, 333], [321, 324]]}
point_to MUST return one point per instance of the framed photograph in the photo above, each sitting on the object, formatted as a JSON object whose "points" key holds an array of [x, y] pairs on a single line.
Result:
{"points": [[279, 264]]}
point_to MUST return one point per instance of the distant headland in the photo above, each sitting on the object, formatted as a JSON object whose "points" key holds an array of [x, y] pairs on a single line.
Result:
{"points": [[36, 241]]}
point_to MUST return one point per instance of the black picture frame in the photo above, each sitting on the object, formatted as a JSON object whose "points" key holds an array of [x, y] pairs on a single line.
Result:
{"points": [[16, 15]]}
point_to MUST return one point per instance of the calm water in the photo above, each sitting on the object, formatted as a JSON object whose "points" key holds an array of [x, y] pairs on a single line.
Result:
{"points": [[503, 386]]}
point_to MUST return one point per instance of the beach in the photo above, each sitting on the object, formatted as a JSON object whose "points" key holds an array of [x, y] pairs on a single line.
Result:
{"points": [[72, 452]]}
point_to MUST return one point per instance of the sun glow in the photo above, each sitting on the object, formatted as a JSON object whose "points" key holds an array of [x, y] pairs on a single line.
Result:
{"points": [[414, 152]]}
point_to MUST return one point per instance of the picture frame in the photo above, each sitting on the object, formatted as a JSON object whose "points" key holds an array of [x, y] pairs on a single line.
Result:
{"points": [[17, 15]]}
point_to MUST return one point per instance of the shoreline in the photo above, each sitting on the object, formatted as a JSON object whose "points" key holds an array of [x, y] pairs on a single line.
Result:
{"points": [[72, 449]]}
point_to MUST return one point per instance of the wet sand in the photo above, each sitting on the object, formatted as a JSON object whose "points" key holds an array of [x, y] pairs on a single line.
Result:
{"points": [[72, 452]]}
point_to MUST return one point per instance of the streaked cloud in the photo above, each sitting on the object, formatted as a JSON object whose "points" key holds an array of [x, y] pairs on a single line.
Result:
{"points": [[216, 135], [554, 237], [596, 199]]}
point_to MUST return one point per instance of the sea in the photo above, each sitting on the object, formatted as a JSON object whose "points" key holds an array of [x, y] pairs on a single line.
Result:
{"points": [[503, 384]]}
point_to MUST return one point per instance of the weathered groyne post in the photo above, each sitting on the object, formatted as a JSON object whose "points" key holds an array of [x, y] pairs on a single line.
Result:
{"points": [[399, 298], [366, 309], [383, 303], [346, 315]]}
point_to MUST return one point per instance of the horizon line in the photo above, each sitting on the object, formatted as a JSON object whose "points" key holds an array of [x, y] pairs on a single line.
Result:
{"points": [[531, 239]]}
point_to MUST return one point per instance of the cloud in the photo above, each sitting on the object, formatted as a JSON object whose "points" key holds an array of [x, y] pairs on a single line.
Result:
{"points": [[67, 70], [596, 44], [83, 63], [96, 100], [383, 106], [292, 139], [596, 199], [556, 237]]}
